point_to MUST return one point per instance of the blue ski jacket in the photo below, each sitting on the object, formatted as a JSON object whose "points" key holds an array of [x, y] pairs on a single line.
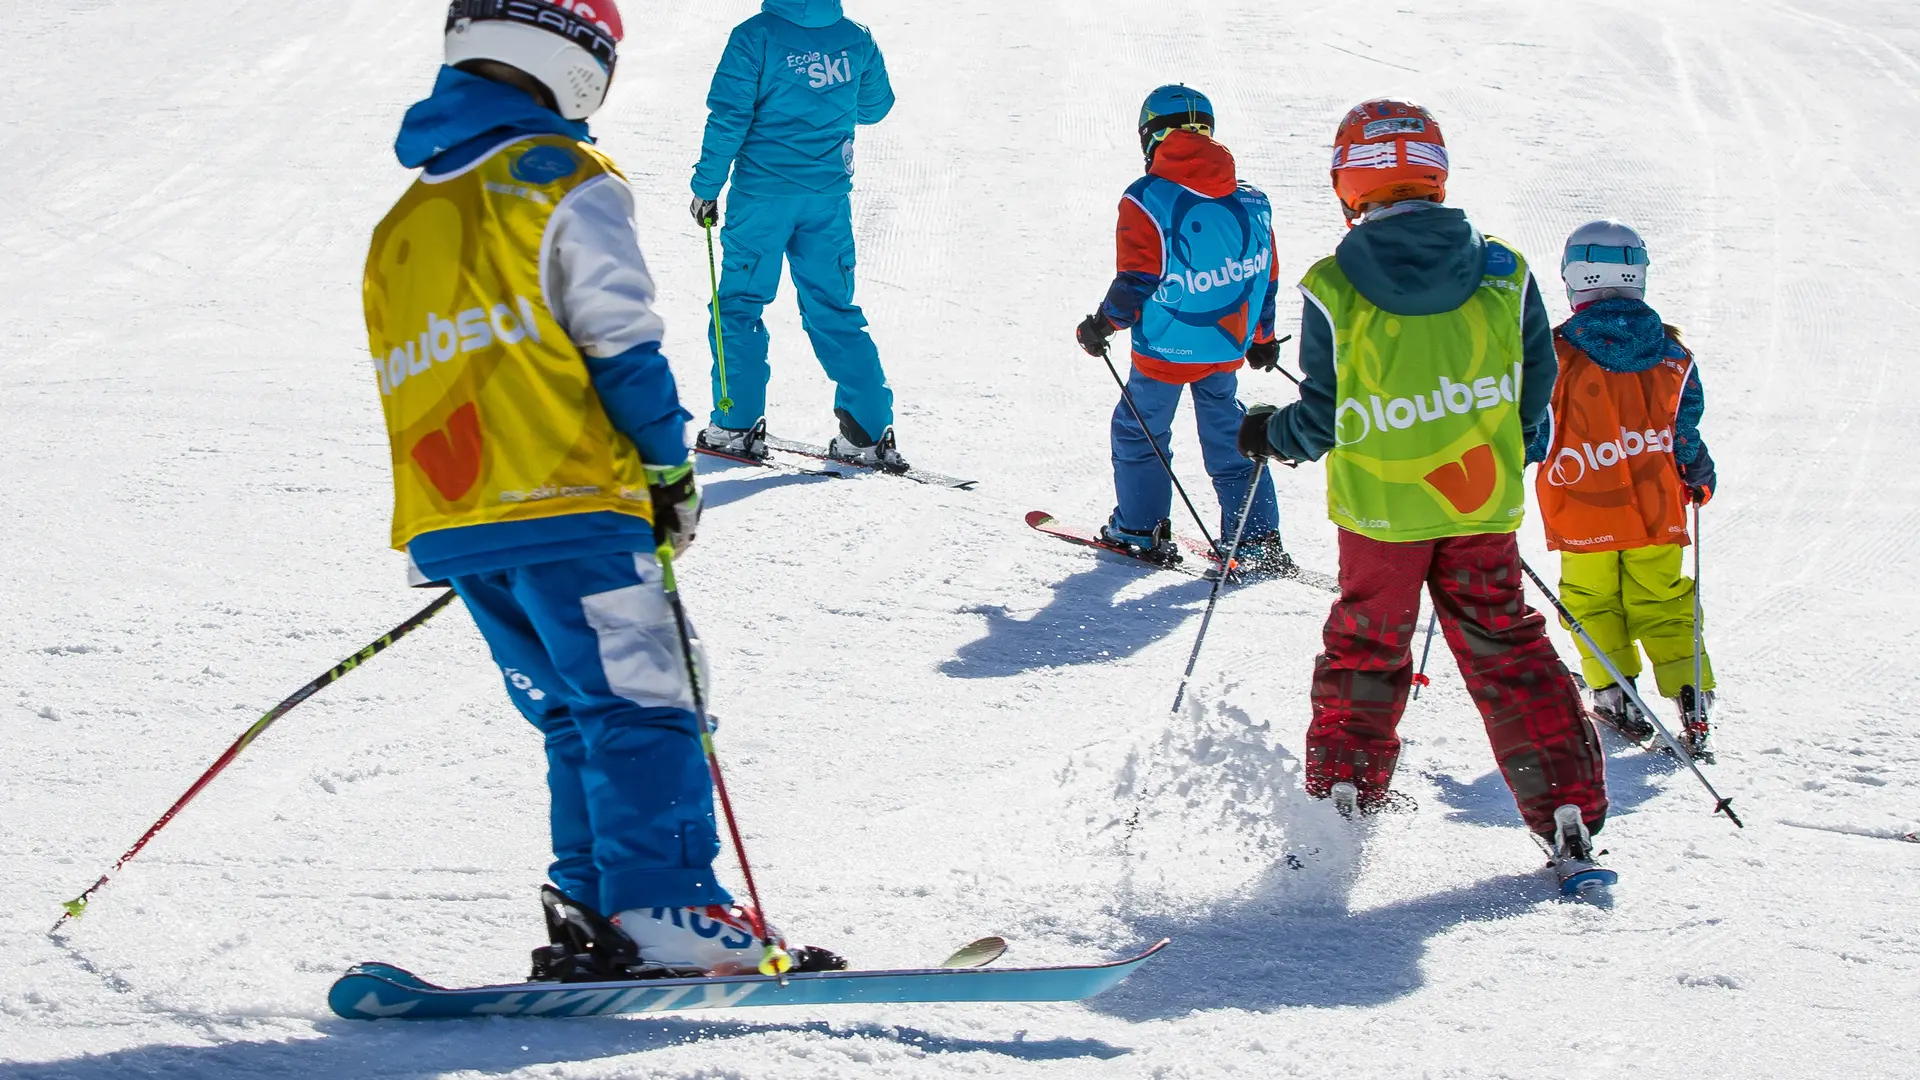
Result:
{"points": [[794, 82]]}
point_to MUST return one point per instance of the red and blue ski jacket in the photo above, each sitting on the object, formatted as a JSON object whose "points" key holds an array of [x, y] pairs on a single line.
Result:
{"points": [[1197, 278]]}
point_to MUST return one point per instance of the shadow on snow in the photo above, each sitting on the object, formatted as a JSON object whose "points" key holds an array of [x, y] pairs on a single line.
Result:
{"points": [[363, 1049], [1632, 776], [1083, 624]]}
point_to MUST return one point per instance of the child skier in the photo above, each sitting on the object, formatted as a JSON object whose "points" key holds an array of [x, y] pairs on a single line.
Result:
{"points": [[1196, 282], [1623, 462], [1429, 358], [539, 457], [794, 83]]}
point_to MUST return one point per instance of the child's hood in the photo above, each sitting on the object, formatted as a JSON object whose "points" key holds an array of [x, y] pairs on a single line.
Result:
{"points": [[809, 13], [1197, 163], [1426, 260]]}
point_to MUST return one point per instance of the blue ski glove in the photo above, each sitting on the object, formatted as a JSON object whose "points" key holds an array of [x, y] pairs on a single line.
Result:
{"points": [[1699, 477]]}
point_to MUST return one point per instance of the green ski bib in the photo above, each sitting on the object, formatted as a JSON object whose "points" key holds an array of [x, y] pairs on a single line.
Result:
{"points": [[1427, 417]]}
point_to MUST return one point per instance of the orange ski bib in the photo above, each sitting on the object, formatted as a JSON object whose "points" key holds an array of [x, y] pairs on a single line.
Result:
{"points": [[1610, 481]]}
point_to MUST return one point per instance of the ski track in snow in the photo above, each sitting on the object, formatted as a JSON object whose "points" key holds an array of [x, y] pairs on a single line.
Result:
{"points": [[938, 724]]}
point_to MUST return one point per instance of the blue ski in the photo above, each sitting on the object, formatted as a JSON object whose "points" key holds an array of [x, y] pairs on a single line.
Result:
{"points": [[382, 991]]}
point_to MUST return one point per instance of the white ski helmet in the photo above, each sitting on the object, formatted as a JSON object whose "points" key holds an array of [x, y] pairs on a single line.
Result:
{"points": [[569, 46], [1604, 259]]}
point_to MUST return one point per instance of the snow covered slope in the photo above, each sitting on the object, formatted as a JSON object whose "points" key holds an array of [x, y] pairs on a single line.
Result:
{"points": [[936, 719]]}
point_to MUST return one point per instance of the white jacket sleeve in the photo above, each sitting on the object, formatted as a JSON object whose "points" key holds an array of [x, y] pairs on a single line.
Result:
{"points": [[593, 274]]}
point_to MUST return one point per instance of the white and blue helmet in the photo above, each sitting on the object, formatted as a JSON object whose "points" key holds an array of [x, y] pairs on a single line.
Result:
{"points": [[1604, 259]]}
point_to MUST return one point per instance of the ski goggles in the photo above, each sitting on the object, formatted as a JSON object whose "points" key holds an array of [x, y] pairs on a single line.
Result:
{"points": [[540, 15], [1157, 128], [1603, 253]]}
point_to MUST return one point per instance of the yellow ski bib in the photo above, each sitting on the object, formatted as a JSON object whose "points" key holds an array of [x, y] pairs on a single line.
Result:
{"points": [[489, 408]]}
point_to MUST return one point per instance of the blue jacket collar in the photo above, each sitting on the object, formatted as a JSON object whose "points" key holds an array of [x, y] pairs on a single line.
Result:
{"points": [[812, 13], [467, 115]]}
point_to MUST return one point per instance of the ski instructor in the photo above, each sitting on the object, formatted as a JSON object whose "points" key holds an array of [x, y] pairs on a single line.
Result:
{"points": [[539, 456], [793, 84]]}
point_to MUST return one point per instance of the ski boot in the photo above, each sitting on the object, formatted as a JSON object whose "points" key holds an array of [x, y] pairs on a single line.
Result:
{"points": [[1612, 707], [749, 443], [1346, 799], [1264, 556], [1696, 734], [1572, 856], [1157, 546], [717, 939], [854, 446], [585, 947], [1351, 803]]}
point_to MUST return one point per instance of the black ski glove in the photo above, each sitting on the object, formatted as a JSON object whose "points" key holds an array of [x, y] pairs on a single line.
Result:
{"points": [[1263, 355], [1252, 440], [706, 212], [1093, 332], [676, 505]]}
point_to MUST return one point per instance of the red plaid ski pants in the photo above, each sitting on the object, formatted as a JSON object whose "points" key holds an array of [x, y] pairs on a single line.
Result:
{"points": [[1542, 738]]}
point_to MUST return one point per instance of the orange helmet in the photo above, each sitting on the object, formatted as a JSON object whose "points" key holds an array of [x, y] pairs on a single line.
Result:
{"points": [[1387, 151]]}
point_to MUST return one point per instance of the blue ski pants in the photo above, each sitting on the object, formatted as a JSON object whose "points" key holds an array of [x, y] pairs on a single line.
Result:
{"points": [[592, 657], [814, 236], [1141, 486]]}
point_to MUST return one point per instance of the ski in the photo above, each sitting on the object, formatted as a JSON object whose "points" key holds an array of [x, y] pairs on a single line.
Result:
{"points": [[1310, 578], [1579, 877], [1047, 523], [1578, 871], [768, 463], [376, 991], [918, 475], [1204, 564], [977, 953]]}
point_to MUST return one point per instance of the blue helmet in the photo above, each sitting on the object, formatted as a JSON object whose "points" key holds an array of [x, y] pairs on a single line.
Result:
{"points": [[1170, 107]]}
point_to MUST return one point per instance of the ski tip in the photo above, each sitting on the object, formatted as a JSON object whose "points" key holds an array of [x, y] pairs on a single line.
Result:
{"points": [[978, 953], [1039, 518], [1586, 881]]}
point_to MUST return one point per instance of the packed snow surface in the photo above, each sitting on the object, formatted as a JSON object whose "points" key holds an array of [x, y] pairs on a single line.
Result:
{"points": [[936, 720]]}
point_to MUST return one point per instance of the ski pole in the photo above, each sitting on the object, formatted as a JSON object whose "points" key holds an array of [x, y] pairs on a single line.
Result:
{"points": [[775, 960], [1127, 396], [77, 906], [1720, 805], [1420, 677], [1206, 619], [725, 404], [1699, 631]]}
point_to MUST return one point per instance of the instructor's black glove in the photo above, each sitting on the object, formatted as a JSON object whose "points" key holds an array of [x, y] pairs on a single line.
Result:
{"points": [[676, 505], [706, 212], [1093, 333], [1263, 355]]}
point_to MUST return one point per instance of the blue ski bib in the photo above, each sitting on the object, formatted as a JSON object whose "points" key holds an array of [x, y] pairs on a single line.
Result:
{"points": [[1217, 255]]}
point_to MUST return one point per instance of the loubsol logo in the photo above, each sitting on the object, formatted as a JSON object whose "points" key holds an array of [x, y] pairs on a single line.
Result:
{"points": [[1354, 420], [1570, 466]]}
